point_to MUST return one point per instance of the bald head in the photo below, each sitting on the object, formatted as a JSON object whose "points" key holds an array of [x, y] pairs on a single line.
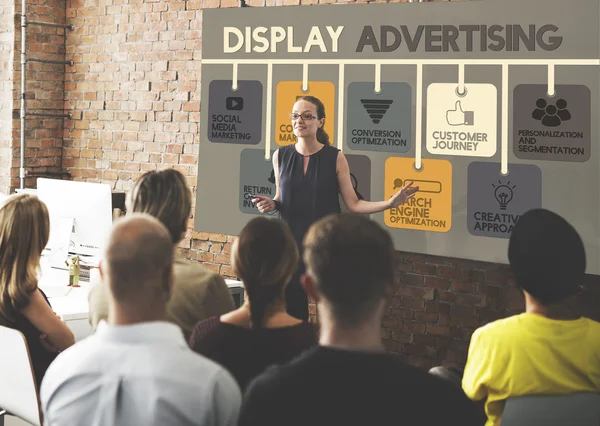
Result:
{"points": [[138, 260]]}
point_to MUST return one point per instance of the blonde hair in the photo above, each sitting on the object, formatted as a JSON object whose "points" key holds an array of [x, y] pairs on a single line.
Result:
{"points": [[166, 196], [265, 258], [24, 232]]}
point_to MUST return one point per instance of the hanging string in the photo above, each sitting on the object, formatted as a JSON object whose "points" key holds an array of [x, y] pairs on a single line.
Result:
{"points": [[234, 78], [269, 106], [504, 134], [551, 91], [377, 78], [461, 79], [305, 78], [418, 116], [340, 108]]}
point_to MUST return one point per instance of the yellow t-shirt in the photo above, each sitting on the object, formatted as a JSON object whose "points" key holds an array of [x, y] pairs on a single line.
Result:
{"points": [[531, 354]]}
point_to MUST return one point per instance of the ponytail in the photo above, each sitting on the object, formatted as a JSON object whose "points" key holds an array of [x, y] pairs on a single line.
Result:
{"points": [[322, 136], [261, 298]]}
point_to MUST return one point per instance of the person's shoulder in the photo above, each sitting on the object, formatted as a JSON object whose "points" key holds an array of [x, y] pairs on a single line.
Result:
{"points": [[499, 327], [306, 333], [593, 325], [332, 150], [285, 151], [449, 398], [73, 361], [200, 366], [205, 330], [283, 376]]}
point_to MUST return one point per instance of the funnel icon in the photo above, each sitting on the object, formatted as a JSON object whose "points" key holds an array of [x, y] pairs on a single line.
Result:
{"points": [[376, 108]]}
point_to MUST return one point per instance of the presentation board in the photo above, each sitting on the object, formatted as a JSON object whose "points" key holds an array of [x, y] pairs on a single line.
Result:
{"points": [[490, 107]]}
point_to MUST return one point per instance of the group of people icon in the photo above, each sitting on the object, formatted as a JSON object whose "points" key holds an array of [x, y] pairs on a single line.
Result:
{"points": [[551, 115]]}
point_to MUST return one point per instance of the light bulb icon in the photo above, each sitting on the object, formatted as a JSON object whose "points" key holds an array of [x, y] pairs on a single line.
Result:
{"points": [[503, 193]]}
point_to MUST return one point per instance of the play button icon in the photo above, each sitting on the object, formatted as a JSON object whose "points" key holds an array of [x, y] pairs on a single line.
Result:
{"points": [[234, 103]]}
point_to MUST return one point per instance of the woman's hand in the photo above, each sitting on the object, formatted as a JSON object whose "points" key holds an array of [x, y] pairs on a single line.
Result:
{"points": [[406, 192], [264, 204]]}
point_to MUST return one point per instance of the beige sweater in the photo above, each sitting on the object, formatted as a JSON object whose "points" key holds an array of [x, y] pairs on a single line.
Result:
{"points": [[197, 294]]}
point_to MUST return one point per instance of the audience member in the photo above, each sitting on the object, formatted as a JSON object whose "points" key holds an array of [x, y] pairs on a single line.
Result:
{"points": [[137, 369], [197, 292], [24, 232], [260, 333], [548, 349], [349, 379]]}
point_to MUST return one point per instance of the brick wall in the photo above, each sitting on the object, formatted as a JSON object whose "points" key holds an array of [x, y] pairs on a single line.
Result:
{"points": [[44, 88], [7, 12], [134, 92]]}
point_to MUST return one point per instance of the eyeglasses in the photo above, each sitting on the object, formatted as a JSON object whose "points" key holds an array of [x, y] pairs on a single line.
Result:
{"points": [[306, 116]]}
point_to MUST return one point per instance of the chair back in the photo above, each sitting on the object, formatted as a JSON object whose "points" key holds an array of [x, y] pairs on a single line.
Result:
{"points": [[18, 390], [578, 409]]}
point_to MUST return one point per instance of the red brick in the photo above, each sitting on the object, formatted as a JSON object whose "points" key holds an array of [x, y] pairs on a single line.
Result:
{"points": [[216, 247], [218, 238], [201, 235], [448, 272], [438, 307], [400, 336], [445, 296], [402, 313], [462, 287], [414, 304], [426, 317], [438, 330], [456, 332], [200, 245], [424, 269], [491, 291], [401, 290], [496, 276], [222, 259], [445, 320], [403, 266], [391, 323], [425, 339], [422, 293], [465, 311], [413, 327], [477, 276], [470, 300], [468, 322], [412, 280], [439, 283], [413, 257]]}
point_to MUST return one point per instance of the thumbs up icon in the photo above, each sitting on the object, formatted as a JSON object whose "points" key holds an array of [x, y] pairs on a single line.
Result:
{"points": [[458, 117]]}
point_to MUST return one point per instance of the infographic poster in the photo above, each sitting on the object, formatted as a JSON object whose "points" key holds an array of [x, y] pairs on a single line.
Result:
{"points": [[489, 112]]}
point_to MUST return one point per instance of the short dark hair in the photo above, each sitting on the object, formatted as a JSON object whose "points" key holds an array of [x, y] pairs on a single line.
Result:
{"points": [[166, 196], [547, 256], [351, 258]]}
